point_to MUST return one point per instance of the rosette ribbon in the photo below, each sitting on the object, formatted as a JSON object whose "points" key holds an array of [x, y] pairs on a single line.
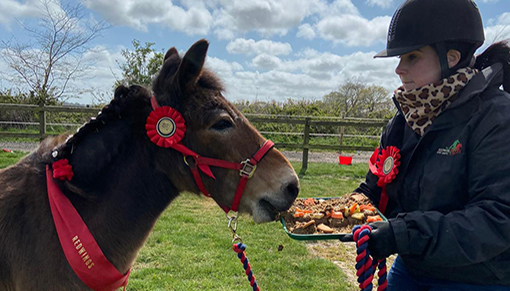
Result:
{"points": [[384, 164], [165, 126]]}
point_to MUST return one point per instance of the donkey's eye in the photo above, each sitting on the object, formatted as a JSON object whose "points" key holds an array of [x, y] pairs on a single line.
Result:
{"points": [[222, 125]]}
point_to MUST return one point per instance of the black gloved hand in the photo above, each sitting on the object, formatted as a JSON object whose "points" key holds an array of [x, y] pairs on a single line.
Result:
{"points": [[382, 240], [347, 238]]}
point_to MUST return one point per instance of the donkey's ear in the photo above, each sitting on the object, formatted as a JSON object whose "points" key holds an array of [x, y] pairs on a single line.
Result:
{"points": [[191, 65], [171, 52]]}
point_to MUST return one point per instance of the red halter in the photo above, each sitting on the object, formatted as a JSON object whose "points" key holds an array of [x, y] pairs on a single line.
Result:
{"points": [[170, 135]]}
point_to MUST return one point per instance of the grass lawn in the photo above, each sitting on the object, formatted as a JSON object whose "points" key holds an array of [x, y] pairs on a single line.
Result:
{"points": [[7, 159], [190, 247]]}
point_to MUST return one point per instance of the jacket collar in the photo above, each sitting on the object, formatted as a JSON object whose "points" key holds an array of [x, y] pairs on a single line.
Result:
{"points": [[490, 76]]}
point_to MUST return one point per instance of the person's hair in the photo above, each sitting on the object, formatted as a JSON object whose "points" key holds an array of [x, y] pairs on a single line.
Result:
{"points": [[498, 52]]}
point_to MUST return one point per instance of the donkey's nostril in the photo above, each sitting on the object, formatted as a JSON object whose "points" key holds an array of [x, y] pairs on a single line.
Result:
{"points": [[292, 190]]}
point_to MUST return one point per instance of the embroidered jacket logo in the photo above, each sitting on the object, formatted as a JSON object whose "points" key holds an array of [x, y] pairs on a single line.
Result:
{"points": [[455, 148]]}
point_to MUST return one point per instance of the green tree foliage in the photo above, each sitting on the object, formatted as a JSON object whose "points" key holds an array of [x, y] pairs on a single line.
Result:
{"points": [[353, 99], [141, 65]]}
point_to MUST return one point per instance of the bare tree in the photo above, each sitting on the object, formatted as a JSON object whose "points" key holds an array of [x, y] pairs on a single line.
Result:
{"points": [[345, 101], [355, 98], [54, 55]]}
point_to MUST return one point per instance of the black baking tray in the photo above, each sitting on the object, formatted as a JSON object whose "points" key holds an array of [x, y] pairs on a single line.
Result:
{"points": [[344, 237]]}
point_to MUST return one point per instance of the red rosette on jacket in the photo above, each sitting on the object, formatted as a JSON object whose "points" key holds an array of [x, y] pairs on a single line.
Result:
{"points": [[165, 126], [385, 166]]}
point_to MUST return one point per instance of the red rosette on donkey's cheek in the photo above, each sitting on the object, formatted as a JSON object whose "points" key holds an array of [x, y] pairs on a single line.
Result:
{"points": [[165, 126]]}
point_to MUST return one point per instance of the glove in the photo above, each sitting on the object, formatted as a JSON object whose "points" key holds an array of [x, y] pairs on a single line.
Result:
{"points": [[347, 238], [382, 240]]}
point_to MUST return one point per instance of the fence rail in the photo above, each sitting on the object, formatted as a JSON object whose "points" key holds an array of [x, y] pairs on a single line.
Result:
{"points": [[305, 121]]}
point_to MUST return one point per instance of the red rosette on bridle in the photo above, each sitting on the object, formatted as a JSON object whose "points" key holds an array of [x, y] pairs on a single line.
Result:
{"points": [[385, 166], [165, 126]]}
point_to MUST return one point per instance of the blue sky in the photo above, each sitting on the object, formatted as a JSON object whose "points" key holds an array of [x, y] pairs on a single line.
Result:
{"points": [[262, 49]]}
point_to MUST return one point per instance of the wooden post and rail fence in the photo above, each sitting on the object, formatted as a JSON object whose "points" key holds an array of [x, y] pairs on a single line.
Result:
{"points": [[304, 122]]}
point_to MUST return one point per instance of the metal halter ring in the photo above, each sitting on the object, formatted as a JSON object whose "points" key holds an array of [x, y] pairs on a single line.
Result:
{"points": [[248, 169], [186, 160]]}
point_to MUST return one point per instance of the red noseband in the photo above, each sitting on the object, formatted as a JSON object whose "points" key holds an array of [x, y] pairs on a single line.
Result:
{"points": [[165, 127]]}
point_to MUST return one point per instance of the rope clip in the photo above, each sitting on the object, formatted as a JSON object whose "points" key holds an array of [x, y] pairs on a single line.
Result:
{"points": [[232, 225]]}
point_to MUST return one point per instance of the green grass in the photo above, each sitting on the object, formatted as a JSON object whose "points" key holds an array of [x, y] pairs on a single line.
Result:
{"points": [[190, 246], [7, 159]]}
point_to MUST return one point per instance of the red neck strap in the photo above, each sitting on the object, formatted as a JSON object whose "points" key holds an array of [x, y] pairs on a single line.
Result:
{"points": [[80, 248], [198, 163]]}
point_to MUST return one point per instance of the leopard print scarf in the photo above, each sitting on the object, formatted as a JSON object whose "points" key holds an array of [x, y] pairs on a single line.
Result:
{"points": [[422, 105]]}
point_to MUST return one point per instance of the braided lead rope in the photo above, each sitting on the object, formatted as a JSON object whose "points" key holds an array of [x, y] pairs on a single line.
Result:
{"points": [[365, 266], [239, 249]]}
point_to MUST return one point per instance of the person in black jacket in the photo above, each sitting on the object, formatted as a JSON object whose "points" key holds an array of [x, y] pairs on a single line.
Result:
{"points": [[442, 171]]}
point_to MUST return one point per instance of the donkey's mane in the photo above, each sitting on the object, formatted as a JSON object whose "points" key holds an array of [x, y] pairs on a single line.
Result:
{"points": [[126, 101]]}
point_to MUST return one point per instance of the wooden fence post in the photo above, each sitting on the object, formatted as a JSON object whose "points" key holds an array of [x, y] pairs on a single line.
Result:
{"points": [[306, 140], [42, 122], [342, 132]]}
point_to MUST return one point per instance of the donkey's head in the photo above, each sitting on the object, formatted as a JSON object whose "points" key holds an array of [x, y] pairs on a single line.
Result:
{"points": [[216, 129]]}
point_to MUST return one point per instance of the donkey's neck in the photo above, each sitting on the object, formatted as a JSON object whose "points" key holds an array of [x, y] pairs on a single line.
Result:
{"points": [[122, 200]]}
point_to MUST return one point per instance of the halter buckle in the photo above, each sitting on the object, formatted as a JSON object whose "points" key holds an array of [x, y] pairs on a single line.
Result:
{"points": [[248, 169]]}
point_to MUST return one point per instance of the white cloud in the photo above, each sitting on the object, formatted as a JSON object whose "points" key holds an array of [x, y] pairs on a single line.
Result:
{"points": [[338, 21], [310, 76], [306, 31], [141, 13], [102, 72], [504, 19], [252, 47], [354, 30], [380, 3], [226, 19], [267, 17], [495, 33], [11, 10], [223, 68], [498, 30], [267, 62], [340, 7]]}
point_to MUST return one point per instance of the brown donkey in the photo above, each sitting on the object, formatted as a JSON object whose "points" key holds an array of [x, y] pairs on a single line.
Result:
{"points": [[123, 181]]}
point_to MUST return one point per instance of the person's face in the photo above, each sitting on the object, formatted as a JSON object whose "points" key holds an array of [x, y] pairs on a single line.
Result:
{"points": [[419, 68]]}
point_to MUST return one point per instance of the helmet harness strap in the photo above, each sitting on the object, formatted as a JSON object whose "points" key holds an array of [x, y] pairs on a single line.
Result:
{"points": [[443, 60]]}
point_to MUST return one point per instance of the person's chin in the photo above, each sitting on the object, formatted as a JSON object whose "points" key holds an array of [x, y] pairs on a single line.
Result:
{"points": [[408, 86]]}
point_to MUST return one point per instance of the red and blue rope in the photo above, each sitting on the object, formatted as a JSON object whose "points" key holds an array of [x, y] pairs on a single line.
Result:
{"points": [[365, 265], [239, 249]]}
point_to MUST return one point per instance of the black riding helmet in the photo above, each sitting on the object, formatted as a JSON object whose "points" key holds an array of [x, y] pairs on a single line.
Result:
{"points": [[418, 23]]}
